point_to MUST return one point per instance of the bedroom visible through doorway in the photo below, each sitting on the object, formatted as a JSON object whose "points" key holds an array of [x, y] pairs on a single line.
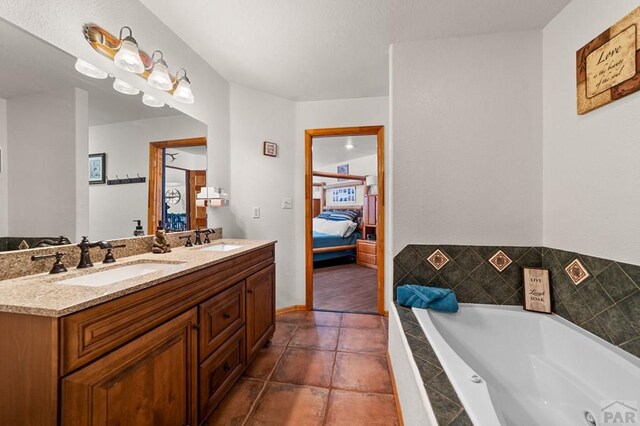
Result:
{"points": [[345, 232]]}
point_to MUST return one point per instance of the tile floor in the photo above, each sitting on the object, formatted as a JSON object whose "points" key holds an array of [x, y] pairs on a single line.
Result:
{"points": [[323, 368]]}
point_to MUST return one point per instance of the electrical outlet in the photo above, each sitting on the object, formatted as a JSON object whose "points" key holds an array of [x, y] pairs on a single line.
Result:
{"points": [[287, 203], [256, 212]]}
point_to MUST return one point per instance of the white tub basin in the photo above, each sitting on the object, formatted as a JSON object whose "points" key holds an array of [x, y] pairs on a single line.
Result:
{"points": [[122, 273], [221, 247]]}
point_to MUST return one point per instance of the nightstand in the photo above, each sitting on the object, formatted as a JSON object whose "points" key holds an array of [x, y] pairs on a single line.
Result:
{"points": [[366, 251]]}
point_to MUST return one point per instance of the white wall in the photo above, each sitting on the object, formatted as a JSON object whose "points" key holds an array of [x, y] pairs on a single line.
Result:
{"points": [[4, 197], [113, 207], [43, 133], [262, 181], [211, 90], [591, 162], [467, 143]]}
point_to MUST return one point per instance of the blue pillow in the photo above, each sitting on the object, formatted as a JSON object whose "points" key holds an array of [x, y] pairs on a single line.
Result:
{"points": [[325, 214], [344, 215]]}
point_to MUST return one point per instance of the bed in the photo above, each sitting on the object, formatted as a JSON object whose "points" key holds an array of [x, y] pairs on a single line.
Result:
{"points": [[336, 238], [321, 241]]}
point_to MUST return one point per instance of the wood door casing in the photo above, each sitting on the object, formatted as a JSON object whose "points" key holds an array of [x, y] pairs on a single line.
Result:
{"points": [[261, 317], [197, 214], [156, 170], [309, 136], [152, 380]]}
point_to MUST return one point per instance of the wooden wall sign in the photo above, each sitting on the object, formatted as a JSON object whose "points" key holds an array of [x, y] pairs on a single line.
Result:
{"points": [[608, 67], [537, 291]]}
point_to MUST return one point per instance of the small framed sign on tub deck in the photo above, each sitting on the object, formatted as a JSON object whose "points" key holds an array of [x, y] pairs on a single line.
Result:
{"points": [[537, 291]]}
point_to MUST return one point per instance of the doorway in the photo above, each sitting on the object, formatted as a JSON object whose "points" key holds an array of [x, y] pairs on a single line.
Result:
{"points": [[344, 219], [177, 172]]}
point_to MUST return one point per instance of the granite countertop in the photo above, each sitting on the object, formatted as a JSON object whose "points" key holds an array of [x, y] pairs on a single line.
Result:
{"points": [[43, 295]]}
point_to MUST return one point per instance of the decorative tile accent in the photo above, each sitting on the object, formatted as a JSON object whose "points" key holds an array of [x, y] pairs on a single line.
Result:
{"points": [[500, 261], [438, 259], [606, 303], [577, 272]]}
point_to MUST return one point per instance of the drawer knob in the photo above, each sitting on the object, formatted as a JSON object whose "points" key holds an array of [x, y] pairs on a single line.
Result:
{"points": [[227, 366], [226, 315]]}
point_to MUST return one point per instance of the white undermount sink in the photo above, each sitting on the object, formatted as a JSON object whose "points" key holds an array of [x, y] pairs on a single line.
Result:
{"points": [[221, 247], [122, 273]]}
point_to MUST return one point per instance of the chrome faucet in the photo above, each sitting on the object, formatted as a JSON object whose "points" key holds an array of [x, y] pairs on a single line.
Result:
{"points": [[85, 245]]}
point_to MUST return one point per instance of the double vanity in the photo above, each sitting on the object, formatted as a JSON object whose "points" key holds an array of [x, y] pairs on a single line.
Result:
{"points": [[154, 339]]}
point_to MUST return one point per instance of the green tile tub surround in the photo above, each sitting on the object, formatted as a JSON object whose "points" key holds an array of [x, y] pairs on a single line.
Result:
{"points": [[443, 398], [606, 303]]}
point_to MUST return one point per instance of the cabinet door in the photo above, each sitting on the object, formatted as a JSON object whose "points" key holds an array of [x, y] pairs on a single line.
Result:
{"points": [[371, 210], [261, 309], [150, 381]]}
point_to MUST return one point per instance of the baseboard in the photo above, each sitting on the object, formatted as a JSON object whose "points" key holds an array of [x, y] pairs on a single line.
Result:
{"points": [[395, 391], [291, 308]]}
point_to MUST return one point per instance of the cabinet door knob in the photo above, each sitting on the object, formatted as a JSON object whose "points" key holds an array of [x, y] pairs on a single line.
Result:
{"points": [[250, 291], [196, 326], [227, 366], [226, 315]]}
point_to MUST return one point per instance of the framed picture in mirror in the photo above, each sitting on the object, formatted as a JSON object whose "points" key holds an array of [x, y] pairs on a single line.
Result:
{"points": [[97, 168]]}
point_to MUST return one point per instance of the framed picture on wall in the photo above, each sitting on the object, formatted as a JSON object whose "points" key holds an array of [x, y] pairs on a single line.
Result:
{"points": [[97, 168], [344, 195], [270, 149], [343, 170], [537, 291]]}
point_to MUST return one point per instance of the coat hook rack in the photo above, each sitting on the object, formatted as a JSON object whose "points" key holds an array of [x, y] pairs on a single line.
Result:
{"points": [[118, 181]]}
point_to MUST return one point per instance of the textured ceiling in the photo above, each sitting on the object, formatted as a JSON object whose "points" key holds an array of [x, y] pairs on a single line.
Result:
{"points": [[331, 49]]}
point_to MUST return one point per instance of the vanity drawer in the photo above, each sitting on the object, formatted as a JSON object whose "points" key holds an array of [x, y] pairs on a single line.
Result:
{"points": [[220, 317], [220, 371]]}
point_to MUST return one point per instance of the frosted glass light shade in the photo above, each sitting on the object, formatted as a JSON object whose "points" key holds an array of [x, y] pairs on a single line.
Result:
{"points": [[124, 87], [152, 101], [128, 57], [183, 92], [159, 77], [84, 67]]}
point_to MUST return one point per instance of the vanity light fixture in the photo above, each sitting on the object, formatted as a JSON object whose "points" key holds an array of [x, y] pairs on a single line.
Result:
{"points": [[183, 92], [124, 87], [128, 56], [84, 67], [349, 145], [152, 101], [159, 77]]}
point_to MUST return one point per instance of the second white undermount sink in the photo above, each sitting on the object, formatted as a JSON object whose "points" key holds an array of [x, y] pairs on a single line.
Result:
{"points": [[221, 247], [121, 273]]}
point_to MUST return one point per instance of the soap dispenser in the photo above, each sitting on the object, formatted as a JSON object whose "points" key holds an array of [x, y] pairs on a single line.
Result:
{"points": [[139, 232]]}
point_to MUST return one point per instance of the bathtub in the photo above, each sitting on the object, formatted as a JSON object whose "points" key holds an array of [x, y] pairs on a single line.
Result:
{"points": [[512, 367]]}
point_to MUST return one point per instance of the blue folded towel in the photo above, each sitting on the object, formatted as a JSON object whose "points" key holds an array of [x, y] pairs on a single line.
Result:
{"points": [[417, 296]]}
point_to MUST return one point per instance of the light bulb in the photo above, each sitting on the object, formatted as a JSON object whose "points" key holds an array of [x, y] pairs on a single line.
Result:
{"points": [[152, 101], [84, 67], [183, 92], [124, 87], [349, 145], [128, 57], [159, 77]]}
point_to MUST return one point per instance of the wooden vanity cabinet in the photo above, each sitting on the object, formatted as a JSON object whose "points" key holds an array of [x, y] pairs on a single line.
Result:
{"points": [[164, 355]]}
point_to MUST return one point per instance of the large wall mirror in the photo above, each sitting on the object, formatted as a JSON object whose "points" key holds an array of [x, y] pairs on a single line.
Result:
{"points": [[74, 152]]}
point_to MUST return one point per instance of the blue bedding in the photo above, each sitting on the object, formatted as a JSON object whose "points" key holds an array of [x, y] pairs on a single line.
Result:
{"points": [[326, 240]]}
